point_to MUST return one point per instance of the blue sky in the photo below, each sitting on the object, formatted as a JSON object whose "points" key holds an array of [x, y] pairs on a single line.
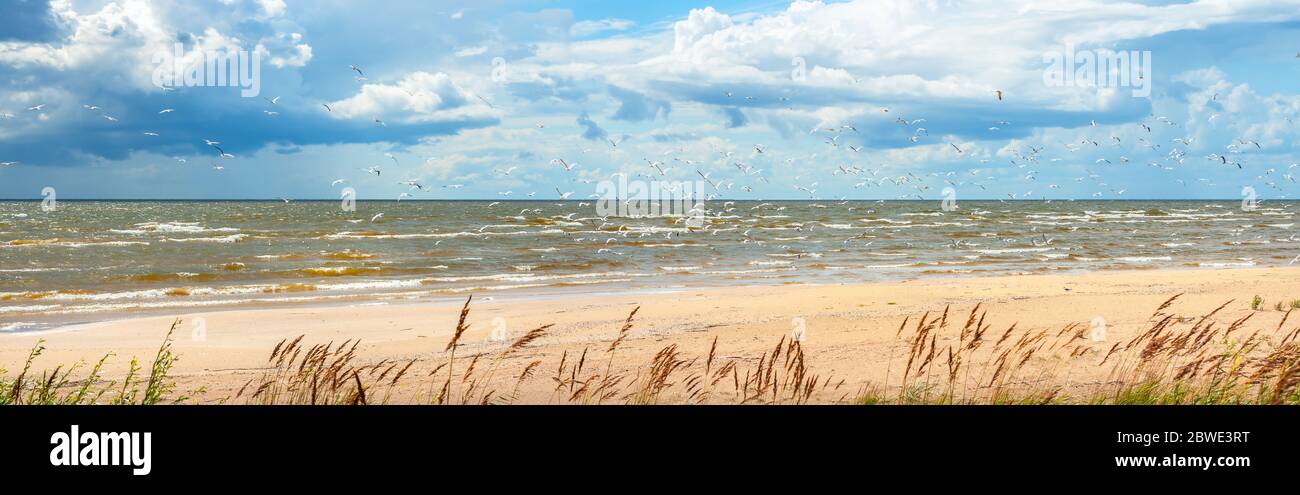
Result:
{"points": [[478, 99]]}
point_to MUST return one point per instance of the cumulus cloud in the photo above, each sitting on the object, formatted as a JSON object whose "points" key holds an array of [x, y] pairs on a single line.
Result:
{"points": [[695, 84], [417, 97]]}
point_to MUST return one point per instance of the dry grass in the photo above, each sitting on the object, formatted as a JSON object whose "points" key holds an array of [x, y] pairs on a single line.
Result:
{"points": [[946, 357]]}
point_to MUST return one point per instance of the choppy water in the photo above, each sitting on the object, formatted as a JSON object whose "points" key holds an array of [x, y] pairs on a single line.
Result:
{"points": [[89, 260]]}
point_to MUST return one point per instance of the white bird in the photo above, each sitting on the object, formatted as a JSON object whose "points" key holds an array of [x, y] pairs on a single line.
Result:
{"points": [[166, 110], [338, 181], [376, 217], [36, 108]]}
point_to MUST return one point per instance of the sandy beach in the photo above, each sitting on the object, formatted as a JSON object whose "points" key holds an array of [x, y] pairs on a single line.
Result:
{"points": [[850, 333]]}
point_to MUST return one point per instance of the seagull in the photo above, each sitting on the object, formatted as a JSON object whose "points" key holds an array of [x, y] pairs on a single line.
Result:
{"points": [[999, 92], [338, 181], [274, 101], [166, 110], [376, 217], [562, 163], [217, 168], [36, 108], [327, 107], [8, 164], [358, 69], [374, 169]]}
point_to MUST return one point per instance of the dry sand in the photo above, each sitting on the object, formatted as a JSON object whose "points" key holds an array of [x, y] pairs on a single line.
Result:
{"points": [[849, 337]]}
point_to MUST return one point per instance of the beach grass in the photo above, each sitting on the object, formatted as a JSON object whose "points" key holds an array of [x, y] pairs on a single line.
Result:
{"points": [[58, 387], [942, 357]]}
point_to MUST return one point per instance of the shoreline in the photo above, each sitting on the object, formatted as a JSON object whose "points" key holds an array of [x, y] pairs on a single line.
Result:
{"points": [[73, 320], [850, 329]]}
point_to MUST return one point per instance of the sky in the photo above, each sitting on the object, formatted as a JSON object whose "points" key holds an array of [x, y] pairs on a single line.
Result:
{"points": [[872, 99]]}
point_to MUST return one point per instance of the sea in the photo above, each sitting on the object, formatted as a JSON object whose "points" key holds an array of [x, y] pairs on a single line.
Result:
{"points": [[88, 261]]}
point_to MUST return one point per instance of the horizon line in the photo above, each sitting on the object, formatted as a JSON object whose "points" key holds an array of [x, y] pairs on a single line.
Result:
{"points": [[588, 200]]}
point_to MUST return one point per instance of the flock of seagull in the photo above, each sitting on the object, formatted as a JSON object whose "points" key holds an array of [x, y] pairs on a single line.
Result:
{"points": [[1154, 140]]}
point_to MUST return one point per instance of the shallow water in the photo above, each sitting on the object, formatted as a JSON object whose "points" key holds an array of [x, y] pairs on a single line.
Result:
{"points": [[89, 259]]}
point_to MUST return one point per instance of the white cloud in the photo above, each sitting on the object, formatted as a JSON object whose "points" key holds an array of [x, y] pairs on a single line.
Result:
{"points": [[117, 44], [471, 51], [417, 97], [588, 28]]}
